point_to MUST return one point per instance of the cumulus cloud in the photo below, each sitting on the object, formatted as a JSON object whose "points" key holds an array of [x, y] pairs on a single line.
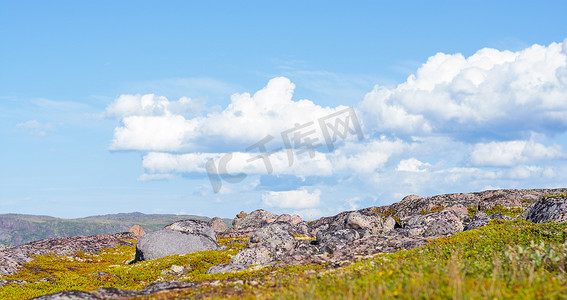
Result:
{"points": [[151, 123], [511, 153], [412, 165], [500, 94], [297, 199], [458, 124]]}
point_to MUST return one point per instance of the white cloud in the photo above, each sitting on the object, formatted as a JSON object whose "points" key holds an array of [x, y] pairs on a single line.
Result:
{"points": [[512, 153], [151, 105], [412, 165], [153, 123], [292, 199], [501, 93], [35, 127], [154, 133]]}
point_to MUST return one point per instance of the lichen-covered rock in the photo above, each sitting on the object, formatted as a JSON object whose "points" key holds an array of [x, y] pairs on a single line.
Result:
{"points": [[461, 212], [218, 225], [12, 259], [275, 237], [547, 209], [330, 241], [167, 242], [253, 256], [300, 229], [225, 268], [370, 223], [126, 235], [68, 295], [435, 224], [258, 218], [480, 219], [389, 224], [193, 227]]}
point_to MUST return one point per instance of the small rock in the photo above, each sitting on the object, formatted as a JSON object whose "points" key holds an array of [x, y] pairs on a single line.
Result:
{"points": [[137, 230], [218, 225], [224, 268], [68, 295]]}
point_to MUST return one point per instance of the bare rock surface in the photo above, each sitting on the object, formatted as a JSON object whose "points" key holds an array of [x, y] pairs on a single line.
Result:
{"points": [[193, 227], [218, 225], [11, 259], [69, 295], [167, 242], [547, 209], [435, 224], [257, 219], [275, 236]]}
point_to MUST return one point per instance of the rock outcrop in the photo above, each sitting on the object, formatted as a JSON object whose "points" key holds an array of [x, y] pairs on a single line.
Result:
{"points": [[256, 219], [14, 257], [547, 209], [339, 240]]}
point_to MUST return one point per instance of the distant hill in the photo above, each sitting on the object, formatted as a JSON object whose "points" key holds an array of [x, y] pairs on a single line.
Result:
{"points": [[16, 229]]}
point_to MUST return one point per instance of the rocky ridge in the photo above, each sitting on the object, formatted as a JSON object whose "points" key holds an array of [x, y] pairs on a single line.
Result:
{"points": [[341, 239]]}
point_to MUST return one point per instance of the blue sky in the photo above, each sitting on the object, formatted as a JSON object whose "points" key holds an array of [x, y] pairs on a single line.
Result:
{"points": [[110, 107]]}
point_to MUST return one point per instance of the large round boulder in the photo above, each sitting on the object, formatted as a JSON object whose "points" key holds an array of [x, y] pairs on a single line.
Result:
{"points": [[167, 242]]}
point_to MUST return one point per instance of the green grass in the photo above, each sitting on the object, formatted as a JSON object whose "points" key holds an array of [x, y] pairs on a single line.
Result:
{"points": [[478, 264], [504, 260], [508, 211]]}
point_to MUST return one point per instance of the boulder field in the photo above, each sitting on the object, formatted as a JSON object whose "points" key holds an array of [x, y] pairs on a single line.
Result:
{"points": [[336, 240]]}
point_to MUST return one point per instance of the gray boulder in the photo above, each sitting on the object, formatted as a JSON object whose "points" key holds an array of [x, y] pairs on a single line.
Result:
{"points": [[370, 223], [331, 241], [435, 224], [293, 220], [193, 227], [167, 242], [224, 268], [258, 218], [218, 225], [253, 256], [275, 237], [389, 224], [68, 295], [480, 219], [547, 209]]}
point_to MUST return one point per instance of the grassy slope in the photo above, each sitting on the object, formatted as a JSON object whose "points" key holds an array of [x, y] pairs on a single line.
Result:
{"points": [[507, 260]]}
